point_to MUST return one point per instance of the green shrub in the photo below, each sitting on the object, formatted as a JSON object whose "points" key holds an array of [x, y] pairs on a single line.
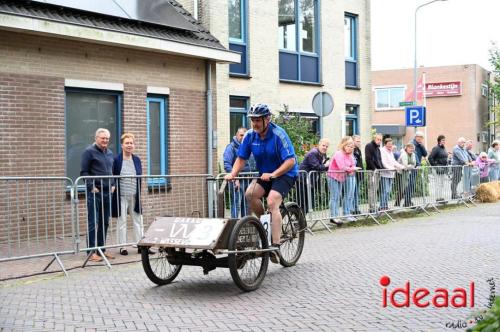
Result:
{"points": [[299, 130], [490, 321]]}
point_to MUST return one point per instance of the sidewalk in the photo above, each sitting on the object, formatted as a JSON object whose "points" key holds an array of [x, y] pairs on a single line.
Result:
{"points": [[28, 267]]}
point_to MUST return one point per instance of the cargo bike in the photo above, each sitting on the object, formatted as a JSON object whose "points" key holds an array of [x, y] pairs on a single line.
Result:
{"points": [[242, 245]]}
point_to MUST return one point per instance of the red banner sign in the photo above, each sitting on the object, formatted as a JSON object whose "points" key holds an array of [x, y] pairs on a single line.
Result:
{"points": [[443, 89]]}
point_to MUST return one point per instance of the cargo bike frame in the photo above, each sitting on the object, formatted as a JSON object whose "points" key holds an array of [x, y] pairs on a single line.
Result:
{"points": [[238, 244]]}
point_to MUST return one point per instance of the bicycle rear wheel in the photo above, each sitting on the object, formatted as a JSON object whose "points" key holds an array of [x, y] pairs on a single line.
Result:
{"points": [[157, 267], [293, 228], [248, 270]]}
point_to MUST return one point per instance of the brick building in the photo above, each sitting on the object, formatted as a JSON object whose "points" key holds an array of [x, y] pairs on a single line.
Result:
{"points": [[284, 63], [64, 72], [456, 101]]}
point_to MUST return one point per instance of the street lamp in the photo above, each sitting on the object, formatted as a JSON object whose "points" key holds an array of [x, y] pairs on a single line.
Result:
{"points": [[415, 66]]}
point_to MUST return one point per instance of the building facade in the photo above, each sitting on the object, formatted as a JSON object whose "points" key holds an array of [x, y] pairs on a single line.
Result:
{"points": [[64, 72], [456, 100], [291, 50]]}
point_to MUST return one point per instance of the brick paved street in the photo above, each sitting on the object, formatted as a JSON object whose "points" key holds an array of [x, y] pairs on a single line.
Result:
{"points": [[335, 286]]}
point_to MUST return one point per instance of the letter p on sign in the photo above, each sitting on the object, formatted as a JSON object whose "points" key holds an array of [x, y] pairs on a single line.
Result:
{"points": [[415, 116]]}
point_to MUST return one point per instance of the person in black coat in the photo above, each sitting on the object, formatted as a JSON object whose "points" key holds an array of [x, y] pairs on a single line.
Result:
{"points": [[439, 159], [359, 175], [315, 160], [372, 153], [373, 162]]}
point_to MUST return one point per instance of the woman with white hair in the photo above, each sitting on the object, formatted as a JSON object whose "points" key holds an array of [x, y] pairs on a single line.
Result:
{"points": [[483, 163]]}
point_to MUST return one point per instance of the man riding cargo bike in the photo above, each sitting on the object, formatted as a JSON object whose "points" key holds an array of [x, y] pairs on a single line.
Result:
{"points": [[242, 245], [277, 166]]}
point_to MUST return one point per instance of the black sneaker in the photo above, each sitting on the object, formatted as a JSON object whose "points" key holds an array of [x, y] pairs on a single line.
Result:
{"points": [[337, 222], [274, 256]]}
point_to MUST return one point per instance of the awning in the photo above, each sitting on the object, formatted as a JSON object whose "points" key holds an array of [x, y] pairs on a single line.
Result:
{"points": [[393, 130]]}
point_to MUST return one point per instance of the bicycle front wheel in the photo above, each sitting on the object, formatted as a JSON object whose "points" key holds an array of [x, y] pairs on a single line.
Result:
{"points": [[293, 228]]}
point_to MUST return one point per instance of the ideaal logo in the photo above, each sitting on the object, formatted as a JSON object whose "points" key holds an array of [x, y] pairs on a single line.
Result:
{"points": [[477, 317], [423, 297]]}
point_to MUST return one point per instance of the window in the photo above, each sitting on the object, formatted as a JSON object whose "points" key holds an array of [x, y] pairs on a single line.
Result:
{"points": [[484, 90], [86, 111], [238, 107], [298, 28], [351, 120], [351, 50], [238, 35], [157, 127], [389, 98]]}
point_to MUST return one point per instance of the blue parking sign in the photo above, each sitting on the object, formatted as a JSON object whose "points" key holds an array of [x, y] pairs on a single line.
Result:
{"points": [[415, 116]]}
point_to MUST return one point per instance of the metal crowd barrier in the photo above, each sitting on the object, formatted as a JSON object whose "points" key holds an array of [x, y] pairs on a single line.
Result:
{"points": [[49, 216], [337, 197], [172, 196], [340, 197], [36, 218], [230, 197]]}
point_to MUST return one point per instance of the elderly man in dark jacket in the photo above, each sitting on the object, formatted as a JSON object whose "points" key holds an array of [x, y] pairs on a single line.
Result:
{"points": [[315, 160], [420, 150], [97, 160], [439, 160], [373, 162]]}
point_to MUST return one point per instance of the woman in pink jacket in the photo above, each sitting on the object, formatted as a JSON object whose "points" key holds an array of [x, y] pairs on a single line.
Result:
{"points": [[483, 163], [341, 179]]}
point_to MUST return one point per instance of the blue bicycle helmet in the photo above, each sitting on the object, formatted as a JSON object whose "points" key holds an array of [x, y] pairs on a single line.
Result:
{"points": [[259, 110]]}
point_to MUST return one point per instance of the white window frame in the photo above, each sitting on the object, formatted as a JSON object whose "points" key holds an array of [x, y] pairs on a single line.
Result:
{"points": [[388, 87], [484, 90]]}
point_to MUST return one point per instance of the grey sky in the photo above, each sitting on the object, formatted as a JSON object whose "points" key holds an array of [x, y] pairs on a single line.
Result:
{"points": [[450, 32]]}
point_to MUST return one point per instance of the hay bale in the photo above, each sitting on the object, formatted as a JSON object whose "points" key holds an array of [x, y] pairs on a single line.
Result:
{"points": [[496, 185], [486, 192]]}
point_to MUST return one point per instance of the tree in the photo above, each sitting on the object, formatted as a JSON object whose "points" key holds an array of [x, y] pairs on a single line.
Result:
{"points": [[299, 131], [494, 85]]}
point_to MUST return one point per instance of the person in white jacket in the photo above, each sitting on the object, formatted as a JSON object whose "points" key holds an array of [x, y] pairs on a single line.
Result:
{"points": [[391, 166]]}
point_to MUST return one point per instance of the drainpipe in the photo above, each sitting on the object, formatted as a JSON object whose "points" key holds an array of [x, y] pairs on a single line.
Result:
{"points": [[210, 136], [195, 9]]}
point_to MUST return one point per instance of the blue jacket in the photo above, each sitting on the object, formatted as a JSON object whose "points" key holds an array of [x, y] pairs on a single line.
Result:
{"points": [[117, 168], [271, 152], [230, 155], [313, 161], [97, 162], [420, 151], [460, 156]]}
